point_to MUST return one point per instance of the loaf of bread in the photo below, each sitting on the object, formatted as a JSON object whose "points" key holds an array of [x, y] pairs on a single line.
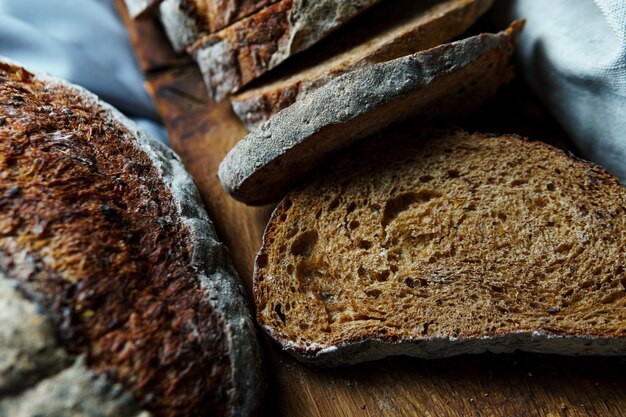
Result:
{"points": [[185, 21], [450, 78], [439, 243], [116, 299], [389, 30], [247, 49]]}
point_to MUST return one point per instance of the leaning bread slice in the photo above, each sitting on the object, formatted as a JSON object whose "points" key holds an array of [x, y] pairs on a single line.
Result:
{"points": [[449, 78], [387, 31], [236, 55], [116, 298], [185, 21], [443, 243]]}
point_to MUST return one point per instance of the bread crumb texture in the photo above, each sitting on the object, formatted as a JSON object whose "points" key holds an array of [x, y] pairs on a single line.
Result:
{"points": [[89, 230], [445, 236]]}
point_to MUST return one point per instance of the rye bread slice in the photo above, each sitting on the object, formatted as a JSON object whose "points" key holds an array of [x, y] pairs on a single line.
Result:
{"points": [[387, 31], [185, 21], [437, 244], [116, 298], [240, 53], [450, 78]]}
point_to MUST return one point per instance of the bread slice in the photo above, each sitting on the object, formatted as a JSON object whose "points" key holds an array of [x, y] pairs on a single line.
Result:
{"points": [[437, 244], [387, 31], [185, 21], [116, 298], [450, 78], [238, 54]]}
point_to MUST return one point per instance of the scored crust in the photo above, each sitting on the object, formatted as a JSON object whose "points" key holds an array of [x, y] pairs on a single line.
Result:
{"points": [[386, 31], [113, 243], [452, 78], [438, 243]]}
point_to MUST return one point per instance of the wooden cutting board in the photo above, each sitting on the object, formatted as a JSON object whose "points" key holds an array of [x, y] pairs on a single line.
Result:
{"points": [[518, 384]]}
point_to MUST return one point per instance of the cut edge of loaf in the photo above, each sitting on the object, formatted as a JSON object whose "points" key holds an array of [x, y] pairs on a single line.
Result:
{"points": [[448, 79], [376, 346], [402, 30], [209, 259]]}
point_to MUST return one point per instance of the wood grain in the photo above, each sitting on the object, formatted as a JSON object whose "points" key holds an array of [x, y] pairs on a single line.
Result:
{"points": [[518, 384]]}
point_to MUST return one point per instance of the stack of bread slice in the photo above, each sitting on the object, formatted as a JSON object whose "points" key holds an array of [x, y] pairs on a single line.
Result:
{"points": [[389, 30], [237, 42], [419, 242]]}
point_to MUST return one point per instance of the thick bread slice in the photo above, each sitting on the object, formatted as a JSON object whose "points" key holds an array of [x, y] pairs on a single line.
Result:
{"points": [[233, 57], [116, 297], [387, 31], [449, 78], [185, 21], [437, 244]]}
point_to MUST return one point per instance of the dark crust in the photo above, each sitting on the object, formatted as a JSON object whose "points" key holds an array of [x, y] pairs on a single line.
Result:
{"points": [[213, 15], [223, 15], [251, 42], [197, 11], [270, 235], [86, 204]]}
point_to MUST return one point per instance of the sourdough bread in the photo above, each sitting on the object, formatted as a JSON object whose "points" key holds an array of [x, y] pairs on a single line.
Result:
{"points": [[436, 244], [185, 21], [247, 49], [450, 78], [116, 298], [387, 31]]}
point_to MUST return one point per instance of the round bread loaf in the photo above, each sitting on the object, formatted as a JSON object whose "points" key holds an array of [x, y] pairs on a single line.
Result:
{"points": [[116, 299]]}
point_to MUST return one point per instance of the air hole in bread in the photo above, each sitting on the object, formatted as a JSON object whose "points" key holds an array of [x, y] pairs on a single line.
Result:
{"points": [[382, 276], [304, 244], [373, 293], [261, 260], [365, 244], [402, 202], [409, 282], [333, 204], [279, 312], [518, 182]]}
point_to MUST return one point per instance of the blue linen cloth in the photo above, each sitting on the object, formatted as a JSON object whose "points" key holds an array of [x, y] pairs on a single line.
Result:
{"points": [[83, 42]]}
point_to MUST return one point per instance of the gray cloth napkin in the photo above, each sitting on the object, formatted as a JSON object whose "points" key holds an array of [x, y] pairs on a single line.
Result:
{"points": [[83, 42], [573, 55]]}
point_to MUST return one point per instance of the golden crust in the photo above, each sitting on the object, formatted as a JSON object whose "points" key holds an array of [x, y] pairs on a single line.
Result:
{"points": [[112, 258]]}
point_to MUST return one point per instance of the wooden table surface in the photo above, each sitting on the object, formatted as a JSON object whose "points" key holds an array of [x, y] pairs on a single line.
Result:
{"points": [[518, 384]]}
